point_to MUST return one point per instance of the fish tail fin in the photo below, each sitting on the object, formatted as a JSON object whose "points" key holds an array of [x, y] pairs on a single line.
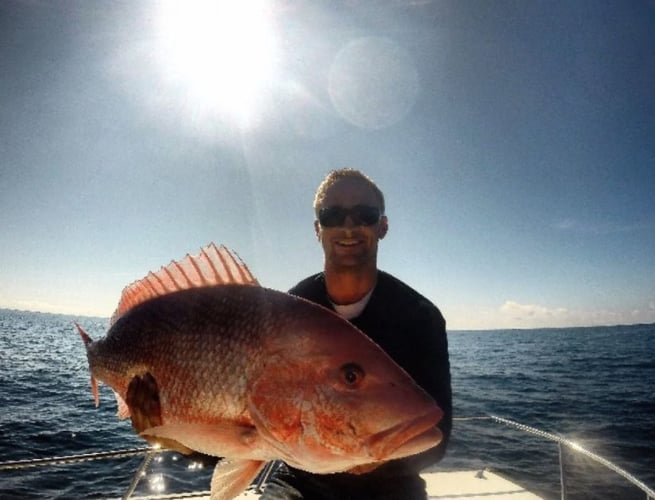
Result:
{"points": [[94, 389], [94, 383], [85, 336]]}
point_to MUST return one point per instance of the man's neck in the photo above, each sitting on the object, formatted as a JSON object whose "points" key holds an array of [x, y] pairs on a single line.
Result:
{"points": [[348, 286]]}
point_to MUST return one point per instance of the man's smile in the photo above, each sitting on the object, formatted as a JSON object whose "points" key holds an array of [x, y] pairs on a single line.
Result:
{"points": [[350, 242]]}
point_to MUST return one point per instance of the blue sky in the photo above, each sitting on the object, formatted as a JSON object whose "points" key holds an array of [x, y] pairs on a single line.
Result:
{"points": [[513, 141]]}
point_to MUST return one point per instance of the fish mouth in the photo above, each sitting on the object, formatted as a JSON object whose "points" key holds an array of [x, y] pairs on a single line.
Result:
{"points": [[407, 438]]}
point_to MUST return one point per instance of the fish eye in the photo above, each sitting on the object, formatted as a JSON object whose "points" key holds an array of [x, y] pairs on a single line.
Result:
{"points": [[351, 375]]}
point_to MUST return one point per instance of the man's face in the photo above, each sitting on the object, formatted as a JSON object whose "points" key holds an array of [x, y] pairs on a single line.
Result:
{"points": [[350, 244]]}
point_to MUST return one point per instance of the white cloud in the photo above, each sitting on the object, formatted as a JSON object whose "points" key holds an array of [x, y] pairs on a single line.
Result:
{"points": [[521, 311], [513, 314], [49, 307], [536, 316], [29, 305], [596, 227]]}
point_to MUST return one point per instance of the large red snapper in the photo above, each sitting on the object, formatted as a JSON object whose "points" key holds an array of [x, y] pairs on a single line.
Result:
{"points": [[203, 358]]}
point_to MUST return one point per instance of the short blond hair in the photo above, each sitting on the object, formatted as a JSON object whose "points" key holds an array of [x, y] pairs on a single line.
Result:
{"points": [[342, 173]]}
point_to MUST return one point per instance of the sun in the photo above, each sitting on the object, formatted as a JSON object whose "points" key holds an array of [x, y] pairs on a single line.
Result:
{"points": [[220, 54]]}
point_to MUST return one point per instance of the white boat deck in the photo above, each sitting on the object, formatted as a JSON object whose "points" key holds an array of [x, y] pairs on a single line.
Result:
{"points": [[471, 484], [460, 485]]}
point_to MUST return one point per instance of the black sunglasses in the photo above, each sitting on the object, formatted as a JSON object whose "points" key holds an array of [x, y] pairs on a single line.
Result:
{"points": [[361, 215]]}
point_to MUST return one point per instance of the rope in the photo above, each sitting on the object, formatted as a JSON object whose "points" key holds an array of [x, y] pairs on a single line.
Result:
{"points": [[141, 472], [268, 471], [71, 459], [570, 444], [42, 462]]}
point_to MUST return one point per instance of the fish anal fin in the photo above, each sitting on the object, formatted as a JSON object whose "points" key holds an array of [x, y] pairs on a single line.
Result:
{"points": [[231, 477], [212, 266]]}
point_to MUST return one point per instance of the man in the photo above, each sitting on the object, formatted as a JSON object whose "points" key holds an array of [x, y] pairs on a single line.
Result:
{"points": [[349, 224]]}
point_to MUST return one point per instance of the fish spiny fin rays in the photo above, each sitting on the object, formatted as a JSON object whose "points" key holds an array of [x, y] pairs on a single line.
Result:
{"points": [[231, 477], [212, 266]]}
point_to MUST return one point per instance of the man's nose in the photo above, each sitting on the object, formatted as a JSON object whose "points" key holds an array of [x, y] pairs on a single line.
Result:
{"points": [[349, 222]]}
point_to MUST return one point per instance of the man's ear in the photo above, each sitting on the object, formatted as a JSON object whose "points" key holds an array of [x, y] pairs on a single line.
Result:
{"points": [[383, 228], [317, 230]]}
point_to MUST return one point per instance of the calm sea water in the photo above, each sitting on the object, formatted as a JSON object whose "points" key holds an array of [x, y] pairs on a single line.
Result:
{"points": [[592, 385]]}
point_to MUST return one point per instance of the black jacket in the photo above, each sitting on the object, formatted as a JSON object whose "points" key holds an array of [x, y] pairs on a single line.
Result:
{"points": [[412, 331]]}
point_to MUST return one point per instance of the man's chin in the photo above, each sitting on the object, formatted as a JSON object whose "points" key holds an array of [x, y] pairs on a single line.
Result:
{"points": [[357, 251], [348, 262]]}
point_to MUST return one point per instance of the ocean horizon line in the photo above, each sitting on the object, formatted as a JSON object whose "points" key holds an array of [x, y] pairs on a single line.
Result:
{"points": [[454, 330]]}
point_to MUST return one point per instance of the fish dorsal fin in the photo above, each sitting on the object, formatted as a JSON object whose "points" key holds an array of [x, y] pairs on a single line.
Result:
{"points": [[212, 266]]}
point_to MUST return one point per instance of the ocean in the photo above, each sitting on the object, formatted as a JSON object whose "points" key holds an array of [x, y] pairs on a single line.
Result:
{"points": [[594, 386]]}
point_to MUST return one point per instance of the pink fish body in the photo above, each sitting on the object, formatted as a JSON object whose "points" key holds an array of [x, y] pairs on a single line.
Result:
{"points": [[254, 375]]}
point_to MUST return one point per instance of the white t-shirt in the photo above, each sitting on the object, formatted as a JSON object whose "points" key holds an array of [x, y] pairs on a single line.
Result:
{"points": [[350, 311]]}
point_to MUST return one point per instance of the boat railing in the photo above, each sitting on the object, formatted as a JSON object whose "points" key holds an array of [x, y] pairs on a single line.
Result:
{"points": [[150, 452], [562, 443]]}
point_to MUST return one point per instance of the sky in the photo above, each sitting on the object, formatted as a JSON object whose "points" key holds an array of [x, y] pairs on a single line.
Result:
{"points": [[514, 142]]}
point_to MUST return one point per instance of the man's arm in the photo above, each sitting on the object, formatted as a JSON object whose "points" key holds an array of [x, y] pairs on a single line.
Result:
{"points": [[431, 370]]}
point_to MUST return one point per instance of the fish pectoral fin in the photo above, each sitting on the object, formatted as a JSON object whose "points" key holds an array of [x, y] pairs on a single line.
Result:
{"points": [[219, 440], [142, 404], [231, 477]]}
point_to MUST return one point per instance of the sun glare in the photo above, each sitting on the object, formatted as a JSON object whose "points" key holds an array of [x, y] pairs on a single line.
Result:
{"points": [[220, 54]]}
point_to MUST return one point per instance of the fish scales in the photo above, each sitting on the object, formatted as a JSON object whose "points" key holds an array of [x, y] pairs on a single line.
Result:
{"points": [[199, 344], [218, 364]]}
